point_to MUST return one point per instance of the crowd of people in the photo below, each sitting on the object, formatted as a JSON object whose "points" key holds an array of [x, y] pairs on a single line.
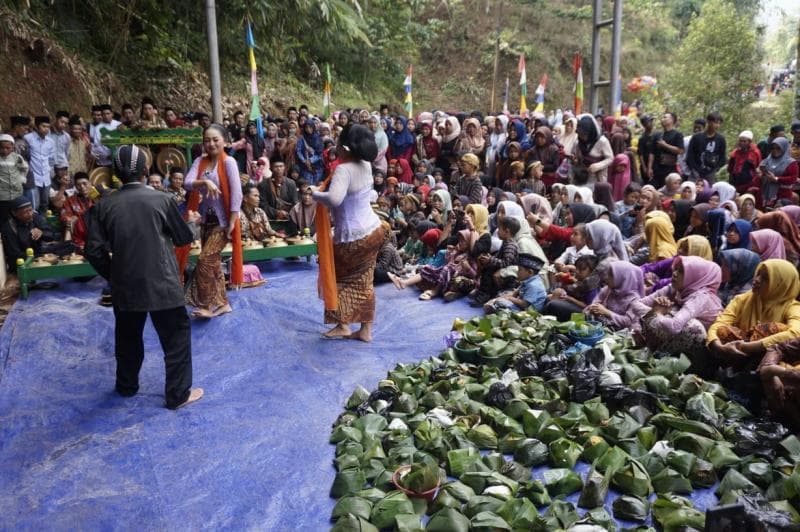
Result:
{"points": [[636, 226]]}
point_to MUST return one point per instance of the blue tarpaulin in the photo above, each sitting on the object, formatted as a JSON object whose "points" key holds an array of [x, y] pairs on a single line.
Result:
{"points": [[253, 453]]}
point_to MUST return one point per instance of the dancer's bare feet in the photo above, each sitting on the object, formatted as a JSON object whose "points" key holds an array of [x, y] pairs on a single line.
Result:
{"points": [[195, 394], [397, 281], [364, 333], [203, 313], [224, 309], [340, 331]]}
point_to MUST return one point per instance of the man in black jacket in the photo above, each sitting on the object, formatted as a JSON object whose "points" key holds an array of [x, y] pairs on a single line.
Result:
{"points": [[131, 242]]}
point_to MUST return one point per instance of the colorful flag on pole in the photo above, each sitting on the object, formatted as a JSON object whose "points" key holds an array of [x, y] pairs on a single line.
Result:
{"points": [[255, 106], [523, 86], [540, 95], [618, 103], [408, 103], [326, 93], [578, 72], [505, 98]]}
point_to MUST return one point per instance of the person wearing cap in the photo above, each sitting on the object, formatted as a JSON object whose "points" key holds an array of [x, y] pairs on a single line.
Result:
{"points": [[20, 126], [25, 229], [743, 162], [469, 184], [107, 123], [131, 242], [61, 138], [794, 149], [13, 175], [42, 162], [706, 152], [79, 154], [531, 291]]}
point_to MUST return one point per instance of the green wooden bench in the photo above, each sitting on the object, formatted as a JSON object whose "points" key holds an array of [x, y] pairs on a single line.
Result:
{"points": [[28, 273]]}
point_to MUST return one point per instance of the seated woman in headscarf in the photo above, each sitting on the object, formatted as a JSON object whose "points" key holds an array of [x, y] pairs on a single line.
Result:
{"points": [[747, 208], [441, 207], [679, 212], [755, 321], [780, 222], [698, 220], [427, 144], [472, 140], [738, 269], [793, 211], [676, 317], [688, 191], [658, 232], [558, 238], [614, 305], [657, 275], [737, 235], [605, 240], [724, 191], [534, 203], [649, 201], [768, 244], [776, 175]]}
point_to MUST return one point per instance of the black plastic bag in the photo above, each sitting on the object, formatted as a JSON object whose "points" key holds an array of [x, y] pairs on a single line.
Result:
{"points": [[751, 512], [498, 395], [553, 366], [758, 438], [527, 365], [583, 377], [381, 394], [621, 397]]}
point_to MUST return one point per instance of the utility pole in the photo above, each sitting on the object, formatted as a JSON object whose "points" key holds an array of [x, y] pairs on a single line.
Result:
{"points": [[213, 61], [496, 57]]}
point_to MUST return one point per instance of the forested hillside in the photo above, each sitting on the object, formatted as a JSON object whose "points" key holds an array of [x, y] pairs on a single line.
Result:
{"points": [[73, 53]]}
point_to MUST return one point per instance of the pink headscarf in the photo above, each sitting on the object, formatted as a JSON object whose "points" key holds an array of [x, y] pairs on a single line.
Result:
{"points": [[700, 276], [769, 243], [627, 285], [538, 205], [620, 180]]}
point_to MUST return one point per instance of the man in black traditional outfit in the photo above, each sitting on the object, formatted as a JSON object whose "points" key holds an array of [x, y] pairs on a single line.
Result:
{"points": [[131, 242]]}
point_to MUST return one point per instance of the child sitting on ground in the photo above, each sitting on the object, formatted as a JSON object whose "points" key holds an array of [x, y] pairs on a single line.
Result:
{"points": [[412, 249], [566, 261], [515, 183], [454, 278], [573, 297], [490, 265], [530, 293]]}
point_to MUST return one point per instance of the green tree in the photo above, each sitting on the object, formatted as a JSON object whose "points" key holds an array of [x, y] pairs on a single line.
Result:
{"points": [[716, 65]]}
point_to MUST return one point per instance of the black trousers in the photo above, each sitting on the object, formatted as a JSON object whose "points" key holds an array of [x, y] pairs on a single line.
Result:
{"points": [[174, 333]]}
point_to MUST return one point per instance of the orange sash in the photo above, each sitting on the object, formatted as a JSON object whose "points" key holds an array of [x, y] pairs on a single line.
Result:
{"points": [[326, 284], [182, 252]]}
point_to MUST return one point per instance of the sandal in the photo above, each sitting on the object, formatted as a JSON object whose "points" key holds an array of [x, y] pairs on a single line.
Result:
{"points": [[195, 394], [427, 295]]}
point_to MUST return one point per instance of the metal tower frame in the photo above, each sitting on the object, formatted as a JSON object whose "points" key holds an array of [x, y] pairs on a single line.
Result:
{"points": [[616, 37]]}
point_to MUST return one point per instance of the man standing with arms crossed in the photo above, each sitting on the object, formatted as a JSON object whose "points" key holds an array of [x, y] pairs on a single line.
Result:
{"points": [[132, 238]]}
